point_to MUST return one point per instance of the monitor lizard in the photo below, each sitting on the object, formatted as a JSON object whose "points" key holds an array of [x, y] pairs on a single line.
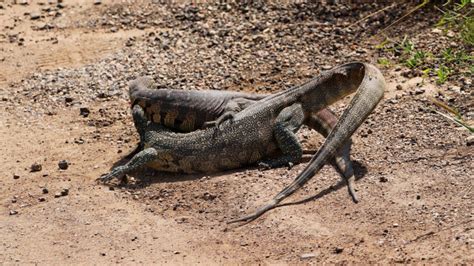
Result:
{"points": [[186, 111], [260, 129]]}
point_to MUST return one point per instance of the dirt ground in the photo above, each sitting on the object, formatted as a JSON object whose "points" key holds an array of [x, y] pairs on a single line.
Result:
{"points": [[413, 167]]}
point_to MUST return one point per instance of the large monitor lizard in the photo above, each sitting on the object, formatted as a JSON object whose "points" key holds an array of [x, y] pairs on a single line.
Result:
{"points": [[186, 111], [260, 129]]}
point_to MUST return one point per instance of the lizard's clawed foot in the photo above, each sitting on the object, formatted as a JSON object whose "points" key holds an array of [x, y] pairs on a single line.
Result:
{"points": [[227, 116], [350, 188], [117, 172], [218, 122], [262, 166]]}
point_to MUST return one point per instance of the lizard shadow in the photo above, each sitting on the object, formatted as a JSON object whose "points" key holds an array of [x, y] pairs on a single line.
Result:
{"points": [[147, 176], [360, 171]]}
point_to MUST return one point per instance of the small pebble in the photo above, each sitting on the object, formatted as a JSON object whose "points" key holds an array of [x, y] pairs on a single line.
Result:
{"points": [[13, 212], [383, 179], [45, 190], [419, 91], [338, 250], [41, 199], [36, 167], [470, 140], [97, 2], [65, 192], [63, 164], [16, 176], [84, 111], [35, 15], [307, 256]]}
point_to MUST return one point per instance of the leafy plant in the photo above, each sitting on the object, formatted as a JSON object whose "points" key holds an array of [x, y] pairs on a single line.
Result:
{"points": [[383, 61], [459, 16], [442, 72]]}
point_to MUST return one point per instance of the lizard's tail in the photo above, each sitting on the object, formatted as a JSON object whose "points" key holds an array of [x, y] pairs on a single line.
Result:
{"points": [[369, 93]]}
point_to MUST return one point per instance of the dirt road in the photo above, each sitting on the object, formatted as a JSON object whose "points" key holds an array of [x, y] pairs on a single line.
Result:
{"points": [[63, 80]]}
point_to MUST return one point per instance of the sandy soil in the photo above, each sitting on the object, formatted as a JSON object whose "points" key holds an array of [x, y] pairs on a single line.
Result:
{"points": [[414, 173]]}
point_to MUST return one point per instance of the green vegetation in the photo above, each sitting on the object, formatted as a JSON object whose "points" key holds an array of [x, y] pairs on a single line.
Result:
{"points": [[459, 16], [456, 17]]}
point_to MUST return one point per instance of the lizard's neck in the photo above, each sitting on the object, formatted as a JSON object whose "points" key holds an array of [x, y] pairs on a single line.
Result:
{"points": [[322, 91]]}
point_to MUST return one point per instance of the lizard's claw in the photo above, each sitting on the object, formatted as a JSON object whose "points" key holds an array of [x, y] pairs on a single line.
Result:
{"points": [[262, 166], [227, 116], [117, 172], [350, 188]]}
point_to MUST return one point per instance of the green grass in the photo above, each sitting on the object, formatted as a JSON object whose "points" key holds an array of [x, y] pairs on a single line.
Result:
{"points": [[442, 73], [457, 16]]}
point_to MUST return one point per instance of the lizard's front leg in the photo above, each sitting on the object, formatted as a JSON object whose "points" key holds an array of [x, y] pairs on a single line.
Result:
{"points": [[288, 121], [139, 160], [142, 157]]}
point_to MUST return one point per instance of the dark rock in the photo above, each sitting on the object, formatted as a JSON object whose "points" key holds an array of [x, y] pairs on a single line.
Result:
{"points": [[36, 167], [13, 212], [208, 196], [45, 190], [63, 164], [16, 176], [338, 250], [419, 91], [41, 199], [97, 2], [383, 179], [65, 192]]}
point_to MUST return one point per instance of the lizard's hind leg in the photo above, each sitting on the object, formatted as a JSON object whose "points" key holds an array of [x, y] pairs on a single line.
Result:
{"points": [[288, 121], [231, 108], [323, 122], [141, 122]]}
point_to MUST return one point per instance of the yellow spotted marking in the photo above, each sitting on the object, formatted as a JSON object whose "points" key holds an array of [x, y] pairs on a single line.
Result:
{"points": [[255, 156], [156, 118], [189, 122], [170, 117]]}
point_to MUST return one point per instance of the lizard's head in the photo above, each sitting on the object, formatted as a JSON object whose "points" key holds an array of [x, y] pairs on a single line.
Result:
{"points": [[138, 88]]}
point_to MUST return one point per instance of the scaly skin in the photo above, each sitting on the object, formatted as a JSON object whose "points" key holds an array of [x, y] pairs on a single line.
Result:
{"points": [[186, 111], [254, 132]]}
